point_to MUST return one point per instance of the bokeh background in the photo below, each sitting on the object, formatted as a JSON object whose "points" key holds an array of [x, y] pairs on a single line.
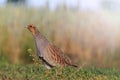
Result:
{"points": [[88, 31]]}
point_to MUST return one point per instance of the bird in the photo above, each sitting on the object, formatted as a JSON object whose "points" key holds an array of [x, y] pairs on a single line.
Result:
{"points": [[50, 54]]}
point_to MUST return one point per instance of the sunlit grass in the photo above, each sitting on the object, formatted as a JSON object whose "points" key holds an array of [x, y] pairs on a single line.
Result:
{"points": [[32, 72]]}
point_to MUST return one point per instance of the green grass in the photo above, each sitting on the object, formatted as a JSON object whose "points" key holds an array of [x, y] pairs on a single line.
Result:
{"points": [[39, 72]]}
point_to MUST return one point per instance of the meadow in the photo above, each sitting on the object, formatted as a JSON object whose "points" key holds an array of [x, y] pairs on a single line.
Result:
{"points": [[83, 36], [39, 72]]}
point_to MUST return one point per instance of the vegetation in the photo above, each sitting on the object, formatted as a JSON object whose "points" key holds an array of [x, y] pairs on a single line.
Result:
{"points": [[79, 34], [39, 72]]}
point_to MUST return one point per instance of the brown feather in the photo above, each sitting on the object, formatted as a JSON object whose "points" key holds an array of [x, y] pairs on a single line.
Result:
{"points": [[56, 56]]}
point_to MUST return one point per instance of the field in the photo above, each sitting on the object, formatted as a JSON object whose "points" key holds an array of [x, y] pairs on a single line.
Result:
{"points": [[39, 72], [86, 37]]}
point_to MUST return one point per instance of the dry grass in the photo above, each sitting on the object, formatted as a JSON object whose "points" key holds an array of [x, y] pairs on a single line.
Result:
{"points": [[73, 32]]}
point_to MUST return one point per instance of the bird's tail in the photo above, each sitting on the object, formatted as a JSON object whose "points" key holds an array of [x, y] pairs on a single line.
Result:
{"points": [[73, 65]]}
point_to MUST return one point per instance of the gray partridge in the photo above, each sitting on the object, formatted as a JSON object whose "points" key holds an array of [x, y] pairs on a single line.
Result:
{"points": [[49, 54]]}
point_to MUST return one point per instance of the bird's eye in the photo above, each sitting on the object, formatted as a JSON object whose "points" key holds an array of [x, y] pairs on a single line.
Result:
{"points": [[30, 26]]}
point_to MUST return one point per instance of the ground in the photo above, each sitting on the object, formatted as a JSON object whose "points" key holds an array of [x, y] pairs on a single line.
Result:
{"points": [[39, 72]]}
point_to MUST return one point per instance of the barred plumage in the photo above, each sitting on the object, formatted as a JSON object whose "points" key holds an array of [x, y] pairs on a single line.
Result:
{"points": [[55, 55], [49, 53]]}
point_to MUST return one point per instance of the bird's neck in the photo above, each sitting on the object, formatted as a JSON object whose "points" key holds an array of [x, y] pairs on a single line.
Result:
{"points": [[37, 34]]}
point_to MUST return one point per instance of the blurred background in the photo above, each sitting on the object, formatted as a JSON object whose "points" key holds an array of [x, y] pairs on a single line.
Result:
{"points": [[88, 31]]}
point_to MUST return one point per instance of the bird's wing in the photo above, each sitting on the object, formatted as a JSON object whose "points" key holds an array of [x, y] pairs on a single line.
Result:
{"points": [[56, 55]]}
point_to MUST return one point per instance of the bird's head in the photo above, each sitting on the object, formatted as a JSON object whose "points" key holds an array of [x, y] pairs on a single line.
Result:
{"points": [[32, 28]]}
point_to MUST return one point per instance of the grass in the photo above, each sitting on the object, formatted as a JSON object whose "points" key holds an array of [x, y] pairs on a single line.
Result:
{"points": [[39, 72], [60, 27]]}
